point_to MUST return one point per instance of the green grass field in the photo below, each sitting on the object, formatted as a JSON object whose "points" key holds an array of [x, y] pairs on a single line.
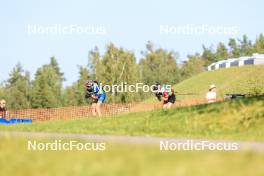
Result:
{"points": [[118, 160], [237, 119], [247, 80]]}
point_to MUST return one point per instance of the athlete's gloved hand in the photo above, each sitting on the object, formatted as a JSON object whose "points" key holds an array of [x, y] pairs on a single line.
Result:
{"points": [[94, 97]]}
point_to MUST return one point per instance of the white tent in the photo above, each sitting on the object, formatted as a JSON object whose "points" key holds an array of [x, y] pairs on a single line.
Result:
{"points": [[255, 59], [258, 59], [229, 61]]}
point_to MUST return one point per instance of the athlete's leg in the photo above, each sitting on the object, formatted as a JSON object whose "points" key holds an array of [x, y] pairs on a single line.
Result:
{"points": [[169, 105], [98, 105], [94, 109], [165, 106], [98, 108], [171, 100]]}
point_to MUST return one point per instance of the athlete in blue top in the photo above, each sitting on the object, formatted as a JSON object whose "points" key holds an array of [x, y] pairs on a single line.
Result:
{"points": [[98, 95]]}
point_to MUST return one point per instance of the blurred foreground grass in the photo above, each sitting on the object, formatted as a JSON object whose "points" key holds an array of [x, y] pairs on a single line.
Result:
{"points": [[124, 160]]}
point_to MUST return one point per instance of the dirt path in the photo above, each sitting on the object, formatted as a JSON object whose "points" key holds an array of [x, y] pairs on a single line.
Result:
{"points": [[255, 146]]}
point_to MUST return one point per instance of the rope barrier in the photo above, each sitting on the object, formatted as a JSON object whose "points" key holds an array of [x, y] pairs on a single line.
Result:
{"points": [[76, 112]]}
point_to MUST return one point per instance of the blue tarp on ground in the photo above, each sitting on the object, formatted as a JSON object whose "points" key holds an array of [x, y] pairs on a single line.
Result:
{"points": [[14, 120]]}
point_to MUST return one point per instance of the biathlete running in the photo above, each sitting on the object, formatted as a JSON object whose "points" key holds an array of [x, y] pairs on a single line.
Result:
{"points": [[165, 93], [97, 94]]}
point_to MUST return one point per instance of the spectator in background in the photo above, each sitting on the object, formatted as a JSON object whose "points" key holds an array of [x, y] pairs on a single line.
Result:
{"points": [[211, 94], [3, 111]]}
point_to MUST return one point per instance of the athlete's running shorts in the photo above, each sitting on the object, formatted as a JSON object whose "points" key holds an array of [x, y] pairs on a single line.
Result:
{"points": [[102, 98]]}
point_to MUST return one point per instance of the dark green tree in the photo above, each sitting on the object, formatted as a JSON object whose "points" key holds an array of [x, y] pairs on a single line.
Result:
{"points": [[55, 65], [259, 44], [208, 55], [247, 48], [221, 52], [47, 87], [235, 50], [17, 90]]}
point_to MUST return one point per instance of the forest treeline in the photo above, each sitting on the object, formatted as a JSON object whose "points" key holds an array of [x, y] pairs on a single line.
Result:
{"points": [[114, 66]]}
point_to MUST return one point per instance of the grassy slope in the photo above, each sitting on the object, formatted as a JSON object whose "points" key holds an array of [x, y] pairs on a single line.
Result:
{"points": [[247, 79], [118, 160], [239, 119]]}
